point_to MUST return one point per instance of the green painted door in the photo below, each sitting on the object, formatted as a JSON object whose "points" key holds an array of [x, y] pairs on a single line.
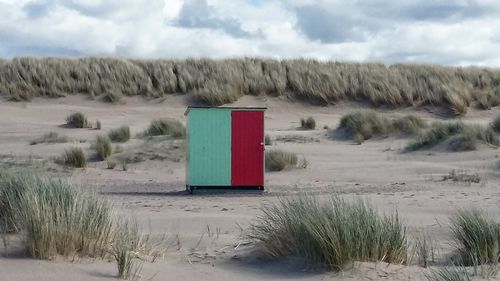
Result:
{"points": [[209, 147]]}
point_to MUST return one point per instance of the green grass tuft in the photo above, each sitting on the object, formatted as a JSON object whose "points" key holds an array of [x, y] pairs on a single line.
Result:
{"points": [[278, 160], [102, 147], [449, 273], [166, 126], [496, 124], [121, 134], [53, 217], [477, 236], [307, 123], [74, 157], [363, 125], [334, 233], [458, 135], [267, 140], [77, 120]]}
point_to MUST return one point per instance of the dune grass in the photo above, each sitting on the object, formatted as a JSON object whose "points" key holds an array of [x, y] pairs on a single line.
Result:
{"points": [[364, 125], [449, 273], [113, 97], [333, 233], [77, 120], [425, 250], [267, 140], [74, 157], [278, 160], [50, 137], [308, 123], [496, 124], [102, 147], [477, 236], [121, 134], [216, 82], [167, 127], [457, 136], [53, 217]]}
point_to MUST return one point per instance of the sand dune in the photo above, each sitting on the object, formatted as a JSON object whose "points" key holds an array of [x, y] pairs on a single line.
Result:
{"points": [[205, 230]]}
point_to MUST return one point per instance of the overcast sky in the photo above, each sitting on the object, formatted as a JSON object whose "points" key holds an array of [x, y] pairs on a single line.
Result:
{"points": [[453, 32]]}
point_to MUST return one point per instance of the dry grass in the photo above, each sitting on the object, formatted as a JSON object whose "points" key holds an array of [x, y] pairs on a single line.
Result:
{"points": [[450, 273], [77, 120], [54, 218], [457, 136], [425, 250], [165, 127], [278, 160], [102, 147], [496, 124], [121, 134], [334, 233], [51, 137], [74, 157], [113, 97], [308, 123], [364, 125], [477, 236], [462, 176], [217, 82], [296, 139]]}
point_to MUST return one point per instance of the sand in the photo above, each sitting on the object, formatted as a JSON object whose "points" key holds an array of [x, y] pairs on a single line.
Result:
{"points": [[206, 230]]}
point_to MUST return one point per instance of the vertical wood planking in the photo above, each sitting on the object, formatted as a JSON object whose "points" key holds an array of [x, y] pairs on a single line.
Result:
{"points": [[247, 157], [209, 147]]}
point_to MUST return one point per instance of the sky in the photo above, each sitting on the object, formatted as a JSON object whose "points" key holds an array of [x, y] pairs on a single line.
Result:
{"points": [[450, 32]]}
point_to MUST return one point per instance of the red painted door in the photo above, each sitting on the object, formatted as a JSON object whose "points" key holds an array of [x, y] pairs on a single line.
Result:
{"points": [[247, 148]]}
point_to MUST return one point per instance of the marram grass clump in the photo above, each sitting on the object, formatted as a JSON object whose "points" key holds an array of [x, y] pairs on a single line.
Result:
{"points": [[53, 217], [77, 120], [165, 126], [102, 147], [121, 134], [457, 136], [477, 236], [74, 157], [278, 160], [364, 125], [495, 125], [333, 232], [308, 123], [450, 273]]}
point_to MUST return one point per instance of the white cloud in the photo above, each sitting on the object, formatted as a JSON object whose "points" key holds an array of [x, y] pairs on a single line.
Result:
{"points": [[458, 32]]}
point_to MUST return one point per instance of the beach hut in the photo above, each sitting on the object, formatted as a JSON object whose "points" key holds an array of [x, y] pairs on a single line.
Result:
{"points": [[225, 147]]}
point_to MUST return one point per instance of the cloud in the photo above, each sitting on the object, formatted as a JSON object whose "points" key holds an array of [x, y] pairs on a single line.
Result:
{"points": [[198, 14], [454, 32]]}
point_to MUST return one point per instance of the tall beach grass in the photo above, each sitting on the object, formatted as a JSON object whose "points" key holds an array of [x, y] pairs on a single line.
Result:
{"points": [[53, 217], [364, 125], [216, 82], [334, 233], [457, 136]]}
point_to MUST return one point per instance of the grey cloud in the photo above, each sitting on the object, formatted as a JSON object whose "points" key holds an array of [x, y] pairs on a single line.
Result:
{"points": [[425, 10], [37, 10], [355, 21], [198, 14], [333, 25]]}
